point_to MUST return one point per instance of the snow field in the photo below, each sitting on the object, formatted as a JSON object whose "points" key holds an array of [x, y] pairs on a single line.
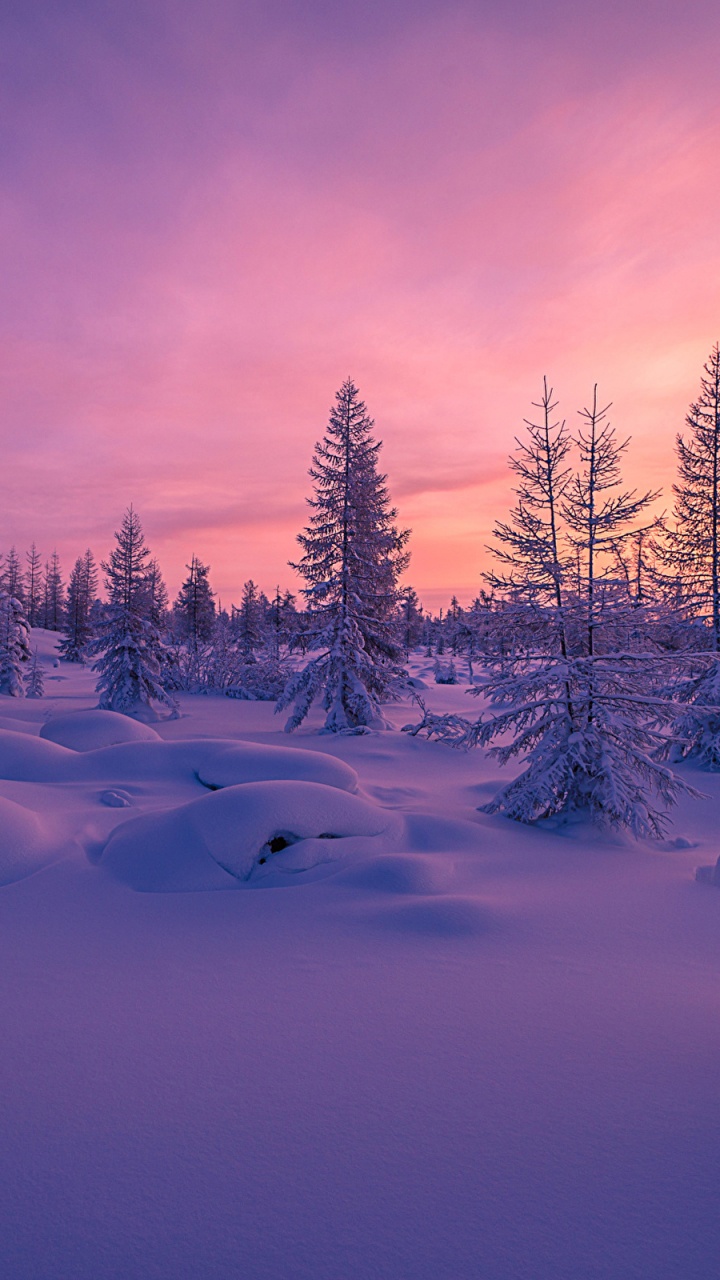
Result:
{"points": [[459, 1050]]}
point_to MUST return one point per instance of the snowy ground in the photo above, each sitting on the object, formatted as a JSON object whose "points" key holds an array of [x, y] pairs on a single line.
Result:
{"points": [[436, 1047]]}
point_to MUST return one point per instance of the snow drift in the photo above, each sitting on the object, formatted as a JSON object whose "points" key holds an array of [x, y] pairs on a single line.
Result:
{"points": [[220, 840], [90, 730]]}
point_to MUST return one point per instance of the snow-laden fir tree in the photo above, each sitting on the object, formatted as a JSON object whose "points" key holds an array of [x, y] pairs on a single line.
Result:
{"points": [[13, 578], [53, 595], [157, 596], [411, 620], [260, 669], [194, 608], [14, 646], [692, 552], [571, 703], [352, 558], [36, 679], [128, 648], [248, 622], [81, 596], [33, 586], [275, 628]]}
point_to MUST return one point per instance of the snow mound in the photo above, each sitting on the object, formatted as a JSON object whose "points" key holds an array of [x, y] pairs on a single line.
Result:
{"points": [[25, 758], [225, 764], [25, 844], [215, 762], [400, 873], [91, 730], [220, 840]]}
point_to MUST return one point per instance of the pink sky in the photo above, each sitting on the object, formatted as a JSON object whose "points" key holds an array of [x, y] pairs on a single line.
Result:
{"points": [[211, 214]]}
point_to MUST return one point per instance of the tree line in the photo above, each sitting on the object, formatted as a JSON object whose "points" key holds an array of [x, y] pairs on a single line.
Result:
{"points": [[594, 642]]}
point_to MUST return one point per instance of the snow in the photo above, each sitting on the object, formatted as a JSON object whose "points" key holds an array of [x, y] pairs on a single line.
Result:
{"points": [[437, 1047], [234, 830], [88, 730], [26, 842]]}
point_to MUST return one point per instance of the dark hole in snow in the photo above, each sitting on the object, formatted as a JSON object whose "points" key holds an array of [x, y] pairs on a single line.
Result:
{"points": [[283, 840]]}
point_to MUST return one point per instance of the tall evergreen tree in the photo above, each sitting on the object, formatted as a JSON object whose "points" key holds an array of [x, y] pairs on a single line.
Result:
{"points": [[352, 558], [274, 626], [411, 620], [692, 551], [157, 596], [694, 542], [33, 586], [249, 622], [14, 646], [194, 608], [13, 577], [570, 702], [82, 593], [128, 647], [53, 595]]}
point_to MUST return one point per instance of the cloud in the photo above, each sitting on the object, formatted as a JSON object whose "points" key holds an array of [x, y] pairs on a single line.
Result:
{"points": [[208, 222]]}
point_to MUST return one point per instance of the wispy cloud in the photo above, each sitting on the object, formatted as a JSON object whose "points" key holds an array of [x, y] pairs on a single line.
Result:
{"points": [[207, 224]]}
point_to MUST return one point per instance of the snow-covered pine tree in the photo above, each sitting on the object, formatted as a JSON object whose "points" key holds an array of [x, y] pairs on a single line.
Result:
{"points": [[82, 593], [692, 552], [411, 620], [575, 709], [53, 595], [36, 679], [128, 647], [33, 586], [352, 558], [14, 646], [221, 660], [13, 578], [274, 625], [248, 622], [194, 609], [157, 596]]}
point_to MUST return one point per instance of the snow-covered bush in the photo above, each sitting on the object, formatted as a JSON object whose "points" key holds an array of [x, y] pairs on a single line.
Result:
{"points": [[259, 681], [445, 672]]}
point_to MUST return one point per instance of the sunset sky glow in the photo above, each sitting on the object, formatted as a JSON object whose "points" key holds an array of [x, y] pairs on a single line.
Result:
{"points": [[213, 213]]}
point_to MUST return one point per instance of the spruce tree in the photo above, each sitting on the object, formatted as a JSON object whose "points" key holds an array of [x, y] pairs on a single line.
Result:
{"points": [[694, 542], [33, 586], [157, 596], [128, 647], [692, 552], [568, 700], [82, 592], [194, 608], [352, 558], [248, 622], [36, 679], [14, 646], [53, 595], [411, 620], [12, 577]]}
